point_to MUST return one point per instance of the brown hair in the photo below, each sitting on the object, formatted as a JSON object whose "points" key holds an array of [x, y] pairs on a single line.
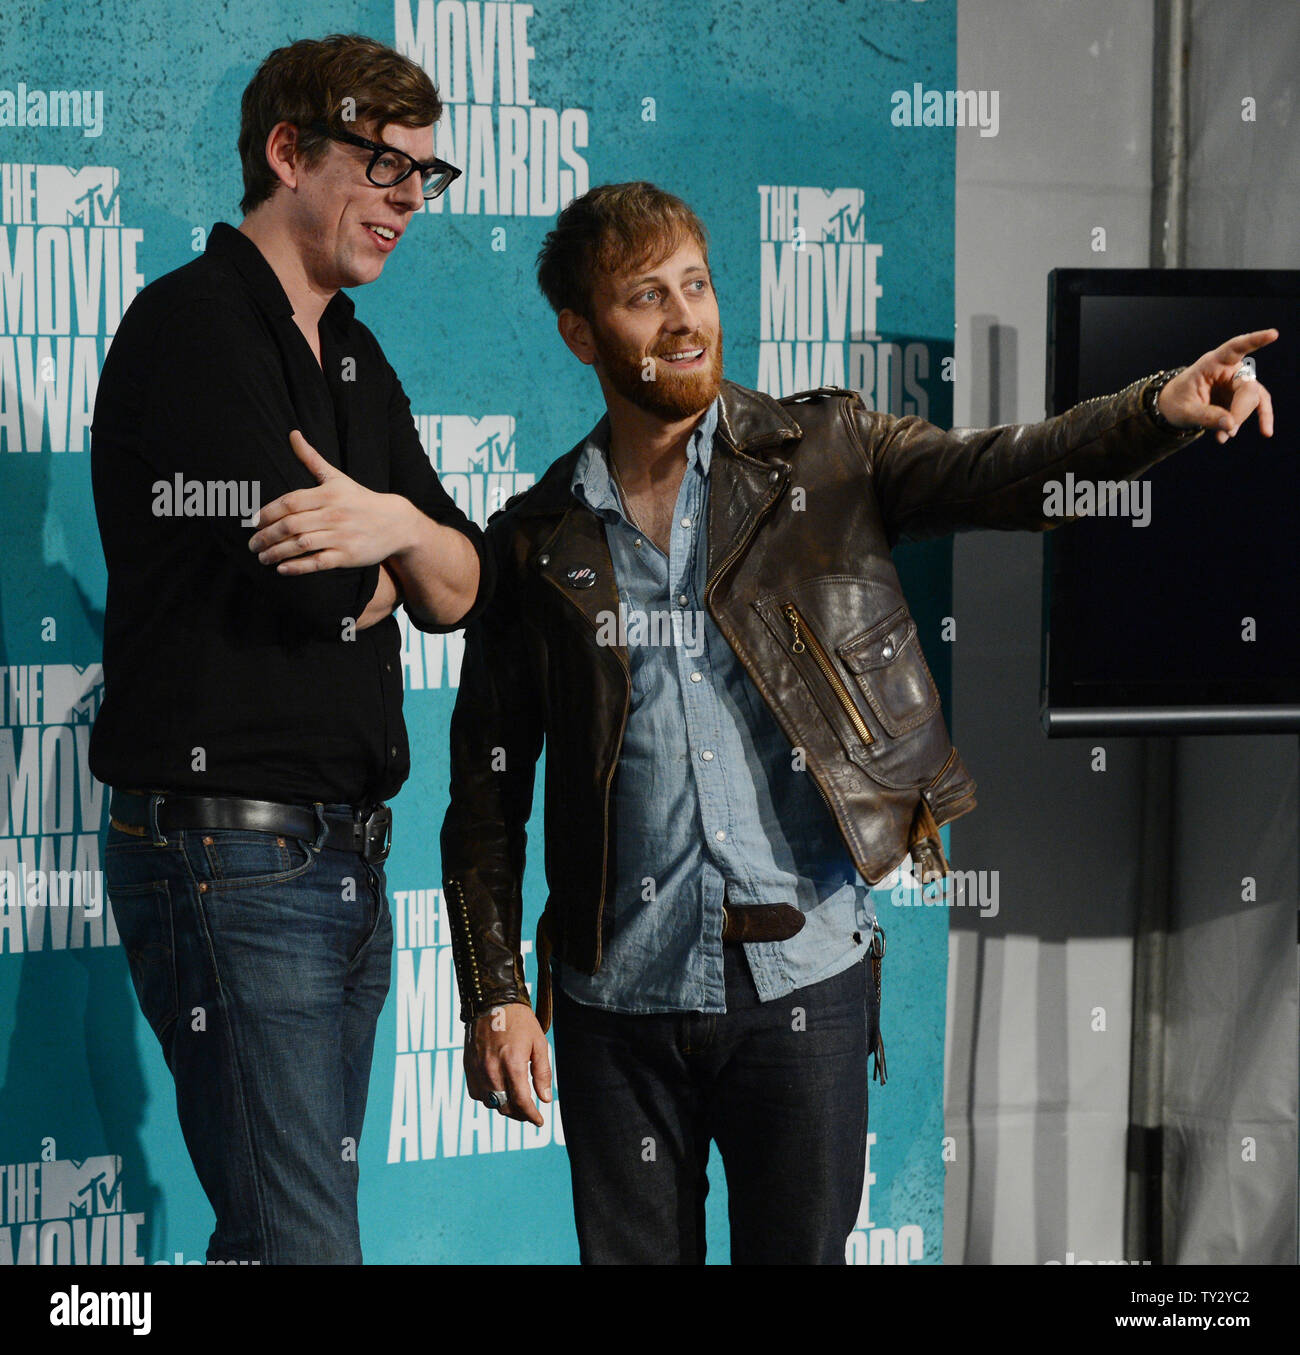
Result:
{"points": [[308, 81], [610, 228]]}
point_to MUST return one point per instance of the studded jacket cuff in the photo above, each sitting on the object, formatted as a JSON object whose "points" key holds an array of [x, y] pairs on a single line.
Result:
{"points": [[1151, 401], [489, 971]]}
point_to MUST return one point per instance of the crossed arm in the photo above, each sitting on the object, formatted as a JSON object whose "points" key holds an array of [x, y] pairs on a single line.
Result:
{"points": [[342, 524]]}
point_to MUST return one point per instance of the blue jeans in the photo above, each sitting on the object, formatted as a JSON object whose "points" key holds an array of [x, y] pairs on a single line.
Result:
{"points": [[780, 1086], [261, 963]]}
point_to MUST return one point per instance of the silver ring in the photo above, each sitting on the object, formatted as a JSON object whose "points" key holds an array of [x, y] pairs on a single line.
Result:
{"points": [[495, 1100], [1244, 373]]}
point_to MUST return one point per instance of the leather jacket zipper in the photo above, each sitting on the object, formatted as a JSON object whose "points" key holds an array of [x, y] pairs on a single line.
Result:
{"points": [[805, 639]]}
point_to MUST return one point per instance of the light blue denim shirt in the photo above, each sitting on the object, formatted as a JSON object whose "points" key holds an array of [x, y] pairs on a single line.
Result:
{"points": [[706, 796]]}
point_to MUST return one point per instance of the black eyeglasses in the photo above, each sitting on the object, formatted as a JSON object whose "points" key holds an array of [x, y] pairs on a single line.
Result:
{"points": [[389, 166]]}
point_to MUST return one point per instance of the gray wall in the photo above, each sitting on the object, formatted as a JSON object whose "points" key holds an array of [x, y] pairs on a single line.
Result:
{"points": [[1036, 1093], [1232, 1049]]}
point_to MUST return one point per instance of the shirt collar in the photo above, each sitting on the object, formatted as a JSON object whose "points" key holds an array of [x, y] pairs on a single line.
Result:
{"points": [[225, 242], [592, 483]]}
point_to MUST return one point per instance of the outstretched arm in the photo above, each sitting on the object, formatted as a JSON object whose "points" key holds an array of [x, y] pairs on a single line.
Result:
{"points": [[930, 482]]}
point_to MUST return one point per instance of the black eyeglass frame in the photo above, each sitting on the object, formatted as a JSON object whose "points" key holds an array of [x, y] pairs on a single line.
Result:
{"points": [[449, 172]]}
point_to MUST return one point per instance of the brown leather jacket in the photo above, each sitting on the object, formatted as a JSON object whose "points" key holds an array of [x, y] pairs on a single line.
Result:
{"points": [[808, 494]]}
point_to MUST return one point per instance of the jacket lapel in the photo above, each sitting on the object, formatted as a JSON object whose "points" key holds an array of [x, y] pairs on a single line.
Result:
{"points": [[573, 544], [744, 485], [576, 551], [746, 479]]}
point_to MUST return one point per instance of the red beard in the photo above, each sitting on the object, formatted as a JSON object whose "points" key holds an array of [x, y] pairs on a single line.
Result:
{"points": [[671, 395]]}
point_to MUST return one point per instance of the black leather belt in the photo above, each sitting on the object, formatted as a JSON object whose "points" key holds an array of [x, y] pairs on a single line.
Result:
{"points": [[366, 830], [760, 922]]}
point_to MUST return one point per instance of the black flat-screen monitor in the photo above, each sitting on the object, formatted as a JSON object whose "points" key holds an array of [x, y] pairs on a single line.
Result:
{"points": [[1189, 621]]}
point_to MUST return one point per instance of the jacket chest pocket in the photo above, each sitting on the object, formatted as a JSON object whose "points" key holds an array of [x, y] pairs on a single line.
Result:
{"points": [[874, 689], [891, 672]]}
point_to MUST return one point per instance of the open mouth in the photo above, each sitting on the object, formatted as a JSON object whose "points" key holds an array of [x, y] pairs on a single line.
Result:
{"points": [[384, 236], [683, 357]]}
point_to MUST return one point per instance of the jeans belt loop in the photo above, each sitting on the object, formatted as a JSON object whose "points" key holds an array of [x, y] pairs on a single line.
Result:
{"points": [[156, 803], [318, 808]]}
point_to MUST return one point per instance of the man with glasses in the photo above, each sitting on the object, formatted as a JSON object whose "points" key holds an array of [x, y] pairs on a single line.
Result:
{"points": [[252, 724]]}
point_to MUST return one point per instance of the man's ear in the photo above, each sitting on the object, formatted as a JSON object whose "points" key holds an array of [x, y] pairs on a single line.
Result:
{"points": [[282, 153], [575, 330]]}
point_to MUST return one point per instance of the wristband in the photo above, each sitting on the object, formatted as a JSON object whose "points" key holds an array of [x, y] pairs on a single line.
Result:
{"points": [[1151, 400]]}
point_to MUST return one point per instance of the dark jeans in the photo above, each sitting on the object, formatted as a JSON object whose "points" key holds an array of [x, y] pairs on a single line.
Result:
{"points": [[780, 1086], [261, 963]]}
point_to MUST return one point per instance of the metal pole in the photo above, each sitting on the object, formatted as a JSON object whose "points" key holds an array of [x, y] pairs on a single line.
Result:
{"points": [[1173, 33], [1146, 1235]]}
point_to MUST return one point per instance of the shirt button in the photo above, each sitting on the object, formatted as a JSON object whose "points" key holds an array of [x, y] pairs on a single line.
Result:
{"points": [[720, 835], [707, 755], [637, 543], [392, 752], [697, 677], [388, 667], [686, 522], [683, 599]]}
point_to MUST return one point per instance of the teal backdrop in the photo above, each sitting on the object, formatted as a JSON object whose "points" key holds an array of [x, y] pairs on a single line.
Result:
{"points": [[832, 247]]}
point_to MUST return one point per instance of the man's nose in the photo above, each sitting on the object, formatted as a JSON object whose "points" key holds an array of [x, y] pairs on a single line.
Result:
{"points": [[408, 194], [677, 312]]}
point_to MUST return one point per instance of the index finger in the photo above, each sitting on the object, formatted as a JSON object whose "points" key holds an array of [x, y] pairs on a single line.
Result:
{"points": [[1234, 349], [295, 501]]}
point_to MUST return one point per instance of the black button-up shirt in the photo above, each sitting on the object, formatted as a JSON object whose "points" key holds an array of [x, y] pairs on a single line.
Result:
{"points": [[222, 676]]}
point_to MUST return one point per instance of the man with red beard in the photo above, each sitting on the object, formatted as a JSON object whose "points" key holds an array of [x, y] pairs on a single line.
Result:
{"points": [[697, 612]]}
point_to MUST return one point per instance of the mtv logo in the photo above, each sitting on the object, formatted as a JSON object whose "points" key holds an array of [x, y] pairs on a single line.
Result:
{"points": [[77, 197], [70, 694], [486, 444], [72, 1189], [834, 214]]}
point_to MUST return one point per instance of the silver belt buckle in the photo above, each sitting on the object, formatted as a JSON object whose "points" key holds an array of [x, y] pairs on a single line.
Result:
{"points": [[379, 825]]}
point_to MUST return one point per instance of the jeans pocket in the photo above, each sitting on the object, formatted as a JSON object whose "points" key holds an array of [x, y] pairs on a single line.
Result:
{"points": [[143, 914], [237, 859]]}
